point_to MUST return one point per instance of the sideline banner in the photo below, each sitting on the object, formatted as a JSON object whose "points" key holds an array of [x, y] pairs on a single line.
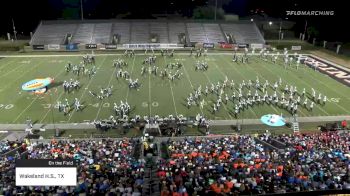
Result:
{"points": [[38, 47], [71, 47], [208, 45], [296, 48], [90, 46], [110, 46], [53, 47], [226, 45]]}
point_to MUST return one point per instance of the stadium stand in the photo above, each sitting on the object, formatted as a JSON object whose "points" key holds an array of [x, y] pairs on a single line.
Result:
{"points": [[161, 30], [175, 29], [196, 33], [140, 31], [214, 33], [123, 30], [238, 164], [52, 33], [104, 166], [84, 33], [244, 33], [102, 33]]}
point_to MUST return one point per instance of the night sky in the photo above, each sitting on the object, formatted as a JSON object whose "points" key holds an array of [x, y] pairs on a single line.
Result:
{"points": [[27, 13]]}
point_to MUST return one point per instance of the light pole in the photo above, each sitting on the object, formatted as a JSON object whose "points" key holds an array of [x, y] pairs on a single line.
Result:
{"points": [[216, 5], [280, 32], [14, 29], [81, 10]]}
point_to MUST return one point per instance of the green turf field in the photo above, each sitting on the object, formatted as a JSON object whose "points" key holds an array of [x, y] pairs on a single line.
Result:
{"points": [[156, 96]]}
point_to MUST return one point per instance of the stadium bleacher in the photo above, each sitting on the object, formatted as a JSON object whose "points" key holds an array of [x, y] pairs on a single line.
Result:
{"points": [[244, 33], [123, 30], [52, 33], [84, 33], [196, 33], [102, 33], [160, 29], [140, 31], [214, 33], [175, 29]]}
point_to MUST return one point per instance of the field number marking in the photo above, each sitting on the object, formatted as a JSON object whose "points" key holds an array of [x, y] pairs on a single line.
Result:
{"points": [[6, 106], [153, 104]]}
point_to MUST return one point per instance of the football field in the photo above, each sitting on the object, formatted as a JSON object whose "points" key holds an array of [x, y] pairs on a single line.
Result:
{"points": [[156, 96]]}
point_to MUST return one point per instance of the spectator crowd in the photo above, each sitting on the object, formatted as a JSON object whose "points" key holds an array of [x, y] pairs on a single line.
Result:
{"points": [[239, 165]]}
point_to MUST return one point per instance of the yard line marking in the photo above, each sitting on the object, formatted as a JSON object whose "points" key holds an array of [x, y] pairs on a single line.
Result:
{"points": [[30, 103], [149, 94], [53, 104], [227, 111], [304, 83], [132, 69], [6, 64], [325, 84], [109, 83], [12, 70], [171, 89], [250, 108], [87, 87], [256, 72], [25, 110], [17, 78], [188, 78]]}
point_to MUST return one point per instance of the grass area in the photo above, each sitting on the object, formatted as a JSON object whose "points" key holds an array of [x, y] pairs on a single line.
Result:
{"points": [[17, 45], [156, 96]]}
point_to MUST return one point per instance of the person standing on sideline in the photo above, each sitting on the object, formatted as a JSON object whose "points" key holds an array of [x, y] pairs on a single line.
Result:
{"points": [[29, 122]]}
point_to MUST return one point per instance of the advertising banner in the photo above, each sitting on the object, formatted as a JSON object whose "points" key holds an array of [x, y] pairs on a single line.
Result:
{"points": [[53, 47], [71, 47], [257, 46], [91, 46], [111, 46], [225, 45], [296, 48], [38, 47], [208, 45]]}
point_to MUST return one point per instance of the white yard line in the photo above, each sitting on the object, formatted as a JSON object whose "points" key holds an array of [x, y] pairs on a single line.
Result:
{"points": [[333, 91], [87, 87], [227, 111], [24, 73], [273, 106], [33, 99], [25, 110], [109, 83], [304, 83], [15, 69], [250, 108], [6, 64], [188, 78], [171, 89], [53, 104], [132, 69], [149, 95]]}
